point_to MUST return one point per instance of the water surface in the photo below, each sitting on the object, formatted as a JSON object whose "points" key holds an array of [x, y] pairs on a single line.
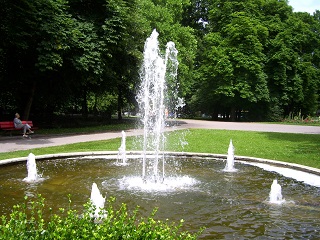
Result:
{"points": [[231, 205]]}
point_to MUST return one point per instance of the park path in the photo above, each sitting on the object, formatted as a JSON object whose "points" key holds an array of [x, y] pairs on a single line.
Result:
{"points": [[15, 143]]}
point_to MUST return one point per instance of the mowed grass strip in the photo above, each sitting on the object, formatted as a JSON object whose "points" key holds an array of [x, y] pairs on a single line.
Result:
{"points": [[303, 149]]}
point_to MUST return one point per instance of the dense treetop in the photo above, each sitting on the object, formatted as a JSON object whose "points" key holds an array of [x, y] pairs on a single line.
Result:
{"points": [[254, 59]]}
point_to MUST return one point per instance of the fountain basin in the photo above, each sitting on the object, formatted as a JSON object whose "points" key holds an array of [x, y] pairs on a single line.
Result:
{"points": [[196, 189]]}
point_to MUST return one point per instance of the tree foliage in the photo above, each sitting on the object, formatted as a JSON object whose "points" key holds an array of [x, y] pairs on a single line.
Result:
{"points": [[255, 56], [258, 53]]}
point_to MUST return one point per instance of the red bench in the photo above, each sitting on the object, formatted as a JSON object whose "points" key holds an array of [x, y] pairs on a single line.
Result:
{"points": [[9, 126]]}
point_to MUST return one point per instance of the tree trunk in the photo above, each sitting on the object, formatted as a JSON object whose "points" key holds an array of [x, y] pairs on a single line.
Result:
{"points": [[215, 115], [95, 110], [84, 105], [233, 114], [120, 102], [27, 108]]}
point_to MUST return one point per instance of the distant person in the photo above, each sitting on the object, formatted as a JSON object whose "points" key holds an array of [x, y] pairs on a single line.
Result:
{"points": [[19, 125], [166, 113]]}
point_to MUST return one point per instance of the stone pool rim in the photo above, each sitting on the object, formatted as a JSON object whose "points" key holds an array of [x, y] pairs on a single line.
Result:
{"points": [[130, 154]]}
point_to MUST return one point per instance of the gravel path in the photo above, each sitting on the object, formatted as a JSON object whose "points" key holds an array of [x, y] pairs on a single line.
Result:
{"points": [[249, 126], [15, 143]]}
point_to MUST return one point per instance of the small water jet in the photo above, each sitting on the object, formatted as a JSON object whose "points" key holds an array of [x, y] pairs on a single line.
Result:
{"points": [[230, 159], [32, 169], [97, 200], [122, 149], [228, 205], [275, 195]]}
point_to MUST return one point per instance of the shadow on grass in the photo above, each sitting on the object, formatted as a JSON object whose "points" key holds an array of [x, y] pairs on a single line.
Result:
{"points": [[302, 149]]}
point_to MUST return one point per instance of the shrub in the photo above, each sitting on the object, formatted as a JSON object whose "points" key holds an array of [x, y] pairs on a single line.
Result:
{"points": [[27, 222]]}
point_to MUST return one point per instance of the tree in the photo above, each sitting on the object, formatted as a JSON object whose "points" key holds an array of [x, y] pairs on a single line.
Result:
{"points": [[232, 62], [35, 40], [292, 73], [168, 18], [258, 56], [129, 25]]}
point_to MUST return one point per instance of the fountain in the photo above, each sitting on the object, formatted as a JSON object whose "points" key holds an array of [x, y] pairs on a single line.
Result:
{"points": [[32, 169], [192, 188], [122, 149], [228, 205], [152, 98], [230, 159], [275, 195], [97, 201]]}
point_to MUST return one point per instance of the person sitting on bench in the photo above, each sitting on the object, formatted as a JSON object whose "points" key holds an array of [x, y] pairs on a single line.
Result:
{"points": [[18, 124]]}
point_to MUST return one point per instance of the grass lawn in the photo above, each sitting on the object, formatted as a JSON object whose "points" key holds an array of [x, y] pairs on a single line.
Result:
{"points": [[303, 149]]}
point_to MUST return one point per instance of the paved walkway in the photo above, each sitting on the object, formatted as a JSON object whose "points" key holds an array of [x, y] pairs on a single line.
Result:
{"points": [[15, 143]]}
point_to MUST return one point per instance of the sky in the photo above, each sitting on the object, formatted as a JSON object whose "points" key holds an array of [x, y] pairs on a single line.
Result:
{"points": [[305, 5]]}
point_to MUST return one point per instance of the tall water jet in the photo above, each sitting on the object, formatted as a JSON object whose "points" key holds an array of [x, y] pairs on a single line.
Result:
{"points": [[153, 100], [97, 201], [32, 169], [230, 159], [275, 195], [122, 149]]}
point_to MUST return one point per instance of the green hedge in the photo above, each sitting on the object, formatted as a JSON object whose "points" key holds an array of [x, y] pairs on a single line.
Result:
{"points": [[27, 222]]}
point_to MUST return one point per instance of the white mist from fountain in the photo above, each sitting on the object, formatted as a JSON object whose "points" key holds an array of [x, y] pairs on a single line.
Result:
{"points": [[156, 74], [157, 95], [97, 201], [32, 169], [230, 159], [122, 149], [275, 195]]}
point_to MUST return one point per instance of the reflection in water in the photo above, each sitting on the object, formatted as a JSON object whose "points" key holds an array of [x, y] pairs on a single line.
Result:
{"points": [[229, 204]]}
